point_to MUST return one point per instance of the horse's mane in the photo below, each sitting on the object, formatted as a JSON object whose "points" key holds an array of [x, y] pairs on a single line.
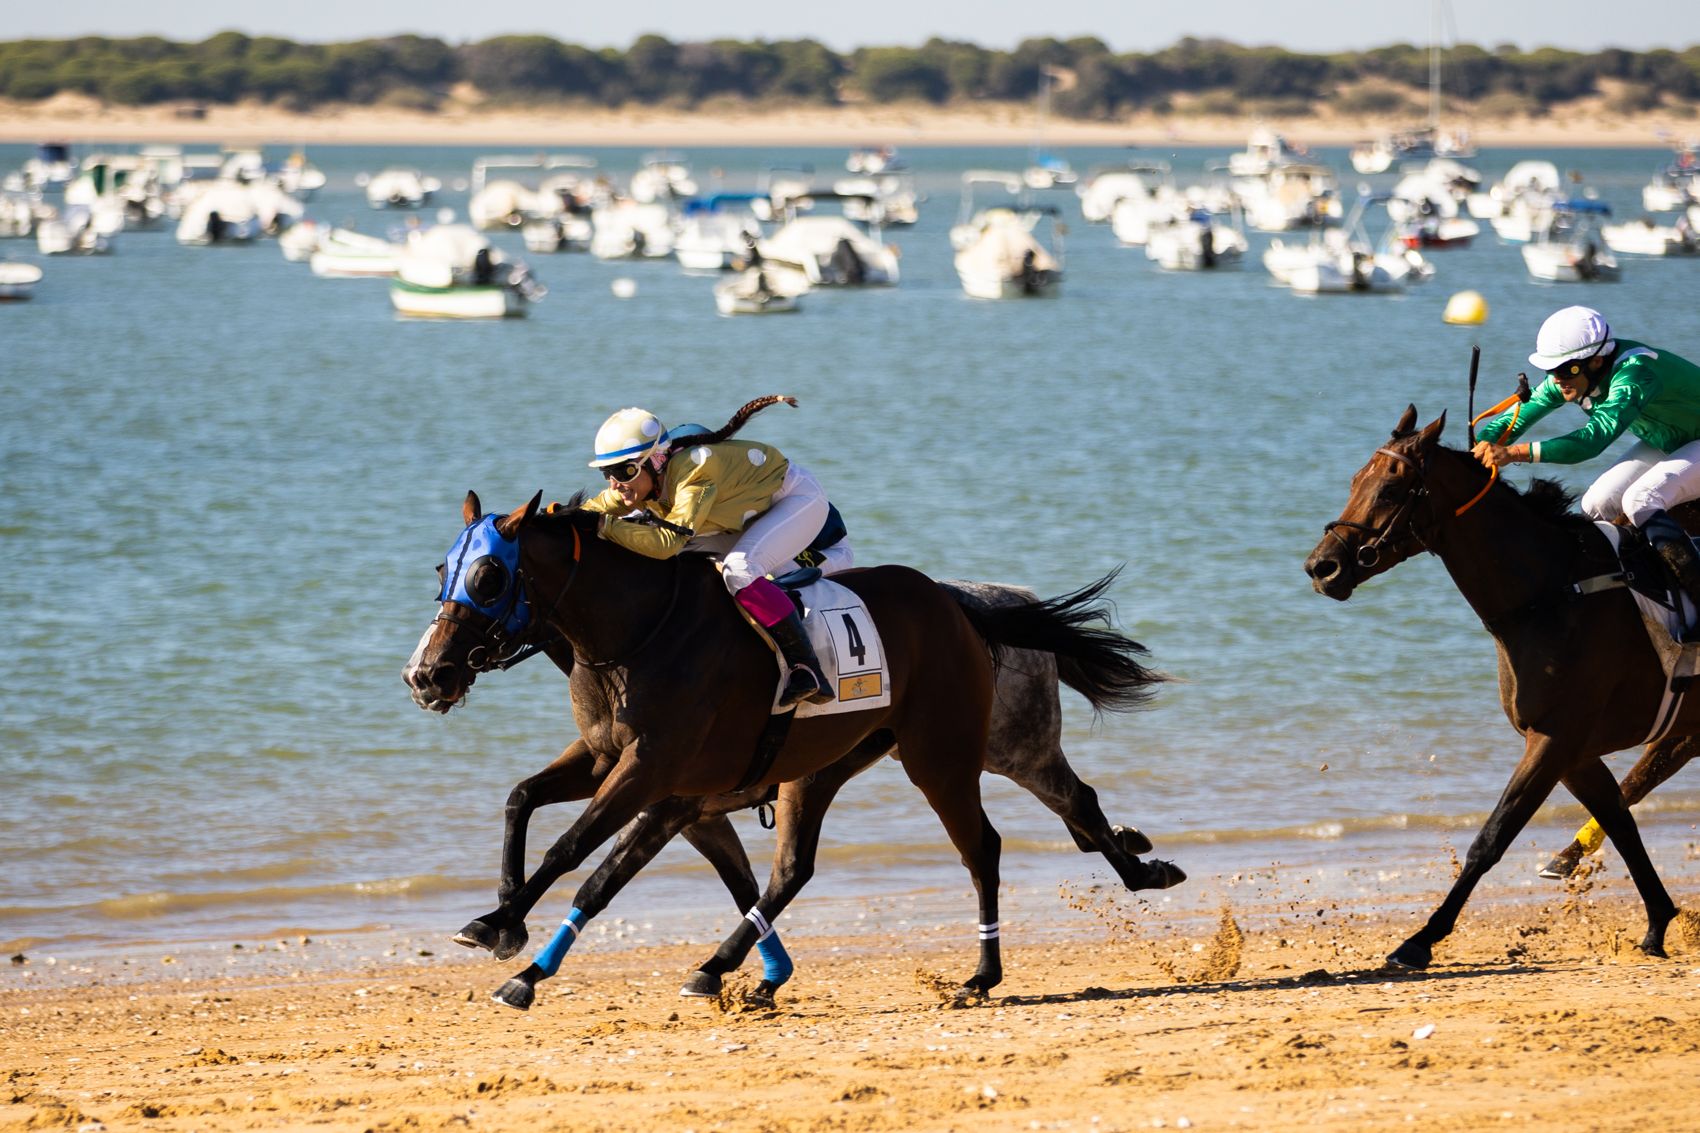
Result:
{"points": [[1545, 498], [563, 515]]}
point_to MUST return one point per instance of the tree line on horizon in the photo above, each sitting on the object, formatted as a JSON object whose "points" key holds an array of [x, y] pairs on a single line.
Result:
{"points": [[1093, 82]]}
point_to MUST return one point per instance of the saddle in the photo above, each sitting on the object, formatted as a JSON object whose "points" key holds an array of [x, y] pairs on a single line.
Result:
{"points": [[1667, 613]]}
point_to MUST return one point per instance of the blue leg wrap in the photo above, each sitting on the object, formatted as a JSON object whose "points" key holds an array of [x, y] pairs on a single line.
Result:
{"points": [[776, 964], [556, 950]]}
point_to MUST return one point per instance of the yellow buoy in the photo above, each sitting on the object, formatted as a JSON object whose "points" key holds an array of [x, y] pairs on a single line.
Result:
{"points": [[1466, 309]]}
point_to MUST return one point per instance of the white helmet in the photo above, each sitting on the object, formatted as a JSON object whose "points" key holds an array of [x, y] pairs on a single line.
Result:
{"points": [[630, 434], [1570, 335]]}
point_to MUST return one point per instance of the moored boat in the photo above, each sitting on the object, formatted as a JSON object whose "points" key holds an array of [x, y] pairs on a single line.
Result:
{"points": [[17, 281]]}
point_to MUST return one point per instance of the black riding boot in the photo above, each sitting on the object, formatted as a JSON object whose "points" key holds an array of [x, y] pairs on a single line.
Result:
{"points": [[1672, 542], [806, 681]]}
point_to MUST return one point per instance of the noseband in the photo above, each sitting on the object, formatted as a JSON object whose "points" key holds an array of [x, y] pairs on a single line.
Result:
{"points": [[1368, 555]]}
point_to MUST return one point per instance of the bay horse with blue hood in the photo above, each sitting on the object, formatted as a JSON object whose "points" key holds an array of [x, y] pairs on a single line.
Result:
{"points": [[671, 693]]}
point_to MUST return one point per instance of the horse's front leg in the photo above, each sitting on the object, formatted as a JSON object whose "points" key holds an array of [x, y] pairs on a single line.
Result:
{"points": [[625, 791], [572, 776], [635, 847], [1595, 789], [1659, 762], [1533, 780]]}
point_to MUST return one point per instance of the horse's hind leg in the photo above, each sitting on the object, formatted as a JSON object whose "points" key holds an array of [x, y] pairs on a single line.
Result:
{"points": [[1595, 789], [1533, 780], [635, 847], [1045, 772], [1659, 762], [801, 808]]}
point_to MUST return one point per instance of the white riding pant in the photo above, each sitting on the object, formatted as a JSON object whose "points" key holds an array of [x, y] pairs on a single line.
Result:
{"points": [[1646, 480], [772, 541]]}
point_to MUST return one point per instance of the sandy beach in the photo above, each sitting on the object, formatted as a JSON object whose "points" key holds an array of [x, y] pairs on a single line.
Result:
{"points": [[1271, 1013], [78, 118]]}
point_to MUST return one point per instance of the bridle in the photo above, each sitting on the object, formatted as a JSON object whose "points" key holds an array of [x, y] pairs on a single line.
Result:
{"points": [[1368, 555]]}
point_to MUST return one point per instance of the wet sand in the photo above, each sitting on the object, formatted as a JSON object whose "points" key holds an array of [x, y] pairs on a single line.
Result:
{"points": [[1270, 1012], [82, 119]]}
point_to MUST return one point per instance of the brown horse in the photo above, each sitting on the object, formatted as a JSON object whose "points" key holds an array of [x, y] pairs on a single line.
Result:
{"points": [[671, 691], [1024, 745], [1578, 676]]}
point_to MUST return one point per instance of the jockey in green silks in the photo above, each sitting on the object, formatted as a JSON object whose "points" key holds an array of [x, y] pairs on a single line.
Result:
{"points": [[1622, 386]]}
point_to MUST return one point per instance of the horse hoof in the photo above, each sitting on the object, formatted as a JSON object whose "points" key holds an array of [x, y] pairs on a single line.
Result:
{"points": [[1657, 951], [701, 985], [1563, 864], [1410, 956], [477, 934], [1166, 875], [1131, 840], [763, 994], [510, 942], [516, 993]]}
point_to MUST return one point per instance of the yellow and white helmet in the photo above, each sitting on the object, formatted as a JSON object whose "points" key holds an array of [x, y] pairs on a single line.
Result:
{"points": [[631, 434]]}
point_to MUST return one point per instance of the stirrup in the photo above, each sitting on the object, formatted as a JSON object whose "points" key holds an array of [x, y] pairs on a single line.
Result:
{"points": [[817, 691]]}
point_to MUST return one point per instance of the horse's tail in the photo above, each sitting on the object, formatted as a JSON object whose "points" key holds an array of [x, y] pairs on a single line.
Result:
{"points": [[1097, 662]]}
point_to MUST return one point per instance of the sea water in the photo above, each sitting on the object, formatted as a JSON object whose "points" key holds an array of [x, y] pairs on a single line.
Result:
{"points": [[226, 485]]}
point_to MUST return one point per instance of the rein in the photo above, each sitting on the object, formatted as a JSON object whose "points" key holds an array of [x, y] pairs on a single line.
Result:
{"points": [[661, 623]]}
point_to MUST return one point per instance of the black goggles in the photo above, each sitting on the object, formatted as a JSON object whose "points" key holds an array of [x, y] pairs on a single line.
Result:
{"points": [[622, 473]]}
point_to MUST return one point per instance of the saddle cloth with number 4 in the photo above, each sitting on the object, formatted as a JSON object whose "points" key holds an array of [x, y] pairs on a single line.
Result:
{"points": [[848, 646]]}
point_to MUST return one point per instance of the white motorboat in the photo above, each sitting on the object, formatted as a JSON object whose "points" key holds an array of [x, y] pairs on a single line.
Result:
{"points": [[1643, 237], [871, 161], [1567, 250], [998, 254], [628, 230], [662, 176], [122, 189], [1199, 241], [717, 232], [832, 251], [451, 271], [760, 290], [1345, 260], [400, 187], [1265, 151], [1425, 207], [1105, 188], [221, 213], [73, 230], [1570, 262], [1527, 186], [785, 186], [49, 170], [888, 199], [1289, 195], [508, 202], [17, 281], [346, 254], [301, 240], [17, 216], [299, 177]]}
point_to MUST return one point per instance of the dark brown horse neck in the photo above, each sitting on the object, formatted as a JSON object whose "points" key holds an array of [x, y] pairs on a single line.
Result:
{"points": [[1510, 553], [611, 604]]}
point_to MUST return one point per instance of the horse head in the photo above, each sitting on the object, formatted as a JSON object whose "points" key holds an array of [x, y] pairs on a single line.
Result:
{"points": [[486, 607], [1376, 530]]}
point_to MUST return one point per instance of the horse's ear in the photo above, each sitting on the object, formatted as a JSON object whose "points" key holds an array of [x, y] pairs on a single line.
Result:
{"points": [[1406, 424], [470, 509], [1431, 431], [509, 524]]}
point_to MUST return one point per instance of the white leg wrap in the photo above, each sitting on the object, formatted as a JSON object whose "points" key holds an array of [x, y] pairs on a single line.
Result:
{"points": [[764, 929], [989, 931]]}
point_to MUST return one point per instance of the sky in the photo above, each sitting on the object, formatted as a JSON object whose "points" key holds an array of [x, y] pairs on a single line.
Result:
{"points": [[1126, 25]]}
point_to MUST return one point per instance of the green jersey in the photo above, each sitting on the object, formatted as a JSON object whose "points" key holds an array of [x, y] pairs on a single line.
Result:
{"points": [[1653, 394]]}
